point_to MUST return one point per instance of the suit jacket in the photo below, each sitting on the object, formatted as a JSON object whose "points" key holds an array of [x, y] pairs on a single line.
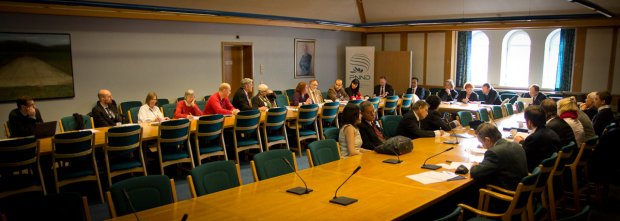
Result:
{"points": [[318, 95], [23, 126], [448, 97], [101, 118], [434, 122], [539, 146], [601, 120], [258, 102], [352, 94], [504, 165], [369, 138], [491, 98], [420, 91], [298, 99], [332, 94], [410, 127], [563, 130], [591, 112], [537, 100], [472, 97], [388, 88], [241, 101]]}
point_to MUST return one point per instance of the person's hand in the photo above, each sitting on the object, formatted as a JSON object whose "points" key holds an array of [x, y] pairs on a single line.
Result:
{"points": [[518, 139], [235, 111], [31, 111], [189, 116], [447, 90], [441, 132], [158, 119], [583, 106], [308, 101], [465, 100], [263, 108]]}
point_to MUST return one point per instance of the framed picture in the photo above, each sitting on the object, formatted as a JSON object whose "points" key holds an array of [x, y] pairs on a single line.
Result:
{"points": [[305, 51], [36, 65]]}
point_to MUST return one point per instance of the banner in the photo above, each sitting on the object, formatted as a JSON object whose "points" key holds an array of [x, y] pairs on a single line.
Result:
{"points": [[360, 65]]}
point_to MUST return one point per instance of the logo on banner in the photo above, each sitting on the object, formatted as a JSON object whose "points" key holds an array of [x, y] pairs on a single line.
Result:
{"points": [[360, 64]]}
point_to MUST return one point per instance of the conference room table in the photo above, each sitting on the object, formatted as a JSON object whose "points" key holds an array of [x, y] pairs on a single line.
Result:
{"points": [[458, 106]]}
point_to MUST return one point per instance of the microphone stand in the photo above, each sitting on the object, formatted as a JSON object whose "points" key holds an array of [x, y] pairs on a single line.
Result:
{"points": [[297, 190]]}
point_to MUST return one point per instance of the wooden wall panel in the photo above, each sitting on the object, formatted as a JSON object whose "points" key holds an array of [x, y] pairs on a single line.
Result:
{"points": [[597, 55], [374, 40], [415, 43], [391, 42], [435, 58], [396, 67]]}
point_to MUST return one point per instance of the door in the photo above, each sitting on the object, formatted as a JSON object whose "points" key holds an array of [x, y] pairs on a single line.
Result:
{"points": [[237, 63]]}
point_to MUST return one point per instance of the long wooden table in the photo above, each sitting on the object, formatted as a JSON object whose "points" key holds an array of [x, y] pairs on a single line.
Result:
{"points": [[456, 107]]}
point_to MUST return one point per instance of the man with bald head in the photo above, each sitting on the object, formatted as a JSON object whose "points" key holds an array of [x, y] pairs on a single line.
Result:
{"points": [[105, 113], [337, 92], [219, 103]]}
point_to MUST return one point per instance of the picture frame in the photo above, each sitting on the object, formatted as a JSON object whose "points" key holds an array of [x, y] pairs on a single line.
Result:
{"points": [[38, 65], [305, 59]]}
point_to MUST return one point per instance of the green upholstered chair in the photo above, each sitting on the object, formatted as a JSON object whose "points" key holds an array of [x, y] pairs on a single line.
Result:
{"points": [[509, 109], [69, 123], [329, 117], [356, 102], [405, 106], [497, 112], [278, 92], [125, 106], [206, 98], [269, 164], [73, 159], [434, 90], [483, 114], [547, 166], [509, 96], [464, 117], [324, 94], [577, 172], [145, 192], [16, 155], [282, 100], [201, 104], [274, 131], [162, 101], [133, 114], [209, 139], [173, 144], [389, 124], [390, 106], [453, 216], [323, 151], [212, 177], [123, 151], [247, 123], [555, 187], [520, 106], [375, 103], [304, 126], [289, 94], [180, 99], [168, 110], [581, 216], [331, 133]]}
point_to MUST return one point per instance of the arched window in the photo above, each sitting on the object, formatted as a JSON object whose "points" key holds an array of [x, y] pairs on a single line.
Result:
{"points": [[515, 59], [479, 57], [552, 51]]}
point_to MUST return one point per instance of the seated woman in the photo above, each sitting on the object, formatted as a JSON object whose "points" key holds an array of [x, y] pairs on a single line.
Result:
{"points": [[300, 97], [448, 93], [260, 101], [187, 108], [149, 111], [354, 90], [467, 95], [434, 121], [567, 110], [349, 138]]}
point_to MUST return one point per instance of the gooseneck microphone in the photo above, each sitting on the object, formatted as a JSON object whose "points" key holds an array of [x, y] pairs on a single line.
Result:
{"points": [[133, 210], [456, 137], [343, 200], [432, 166], [391, 160], [297, 190]]}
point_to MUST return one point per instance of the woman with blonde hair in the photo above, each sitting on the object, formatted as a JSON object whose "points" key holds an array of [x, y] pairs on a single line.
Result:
{"points": [[567, 110]]}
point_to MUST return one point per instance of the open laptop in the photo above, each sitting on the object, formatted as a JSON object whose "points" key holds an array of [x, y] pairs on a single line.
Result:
{"points": [[44, 130]]}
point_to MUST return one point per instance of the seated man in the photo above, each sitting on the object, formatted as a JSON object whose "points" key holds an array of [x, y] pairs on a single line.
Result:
{"points": [[314, 93], [261, 101], [105, 113], [504, 163], [24, 117], [535, 94], [555, 123], [241, 99], [187, 108], [383, 88], [588, 107], [421, 92], [490, 95], [218, 103], [371, 132], [542, 143], [410, 125], [337, 92], [605, 115], [434, 121]]}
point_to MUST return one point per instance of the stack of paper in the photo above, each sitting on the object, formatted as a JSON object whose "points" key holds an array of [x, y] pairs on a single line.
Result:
{"points": [[434, 177]]}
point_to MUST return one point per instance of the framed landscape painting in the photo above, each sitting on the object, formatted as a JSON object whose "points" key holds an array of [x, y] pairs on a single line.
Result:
{"points": [[305, 51], [36, 65]]}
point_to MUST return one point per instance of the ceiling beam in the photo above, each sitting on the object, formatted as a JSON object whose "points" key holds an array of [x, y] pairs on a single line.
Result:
{"points": [[360, 10]]}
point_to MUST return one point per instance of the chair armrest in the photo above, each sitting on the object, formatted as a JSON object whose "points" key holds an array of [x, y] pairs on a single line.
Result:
{"points": [[501, 190], [496, 195], [480, 212]]}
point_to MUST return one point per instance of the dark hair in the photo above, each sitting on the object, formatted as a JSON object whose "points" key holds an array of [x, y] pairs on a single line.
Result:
{"points": [[357, 89], [415, 78], [604, 96], [536, 115], [300, 87], [23, 101], [488, 130], [433, 102], [487, 85], [549, 107], [350, 114], [536, 87], [382, 77]]}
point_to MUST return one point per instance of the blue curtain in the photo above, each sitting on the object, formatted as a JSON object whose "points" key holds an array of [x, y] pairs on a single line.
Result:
{"points": [[463, 58], [565, 60]]}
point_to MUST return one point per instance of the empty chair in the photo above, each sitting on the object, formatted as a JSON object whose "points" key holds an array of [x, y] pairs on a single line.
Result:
{"points": [[322, 152], [246, 122], [212, 177], [17, 155], [162, 101], [497, 112], [133, 114], [123, 151], [274, 131], [507, 95], [289, 94], [7, 129], [329, 117], [173, 144], [390, 124], [453, 216], [576, 171], [554, 187], [375, 103], [277, 92], [168, 110], [546, 167], [464, 117], [125, 106], [209, 137], [331, 133], [306, 118], [509, 109], [520, 106], [270, 164], [282, 100], [405, 106], [76, 122], [356, 101], [142, 193], [201, 104], [483, 114], [390, 106]]}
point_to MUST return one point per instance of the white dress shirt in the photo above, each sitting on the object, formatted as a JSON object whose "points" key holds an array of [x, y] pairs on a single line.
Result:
{"points": [[148, 114]]}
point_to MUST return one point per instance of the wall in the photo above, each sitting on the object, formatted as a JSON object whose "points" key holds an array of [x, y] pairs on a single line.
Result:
{"points": [[133, 57]]}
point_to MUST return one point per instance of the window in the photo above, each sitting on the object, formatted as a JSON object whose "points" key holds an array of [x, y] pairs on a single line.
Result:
{"points": [[515, 59], [479, 61], [552, 51]]}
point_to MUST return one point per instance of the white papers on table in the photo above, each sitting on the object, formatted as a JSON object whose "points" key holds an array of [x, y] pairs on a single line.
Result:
{"points": [[454, 165], [196, 117], [477, 150], [91, 130], [524, 135], [432, 177], [291, 108]]}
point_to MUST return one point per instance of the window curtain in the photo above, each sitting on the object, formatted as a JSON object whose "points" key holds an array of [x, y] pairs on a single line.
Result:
{"points": [[565, 60], [463, 58]]}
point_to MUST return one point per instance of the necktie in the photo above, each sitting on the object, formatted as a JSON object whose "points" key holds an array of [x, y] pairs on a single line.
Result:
{"points": [[312, 96], [382, 91], [378, 132], [107, 110], [248, 98]]}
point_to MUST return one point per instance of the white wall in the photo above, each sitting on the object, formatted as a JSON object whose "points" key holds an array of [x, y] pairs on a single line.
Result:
{"points": [[415, 43], [133, 57], [596, 59]]}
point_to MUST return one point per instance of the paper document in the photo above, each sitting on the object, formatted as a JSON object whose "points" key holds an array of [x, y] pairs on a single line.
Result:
{"points": [[454, 165], [91, 130], [434, 177]]}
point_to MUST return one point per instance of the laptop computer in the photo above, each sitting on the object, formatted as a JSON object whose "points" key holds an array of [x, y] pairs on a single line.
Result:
{"points": [[44, 130]]}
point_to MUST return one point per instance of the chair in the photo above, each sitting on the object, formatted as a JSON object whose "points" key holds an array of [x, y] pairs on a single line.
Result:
{"points": [[554, 187], [323, 151], [7, 129], [141, 193], [509, 109], [497, 112], [584, 215], [67, 206], [123, 151], [578, 168], [483, 114], [212, 177], [180, 99], [168, 110], [277, 92], [464, 117], [270, 164], [355, 102], [324, 94], [518, 201], [201, 104], [331, 133], [209, 138], [375, 103], [434, 90], [206, 98], [133, 114], [390, 124], [73, 159], [453, 216], [306, 117], [390, 106], [274, 131], [547, 166], [282, 100], [162, 101], [405, 106], [17, 155], [125, 106], [290, 93], [480, 94], [172, 136], [329, 116], [246, 122], [520, 106], [69, 123]]}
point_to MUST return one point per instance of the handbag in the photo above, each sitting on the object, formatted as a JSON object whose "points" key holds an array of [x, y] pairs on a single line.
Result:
{"points": [[395, 145]]}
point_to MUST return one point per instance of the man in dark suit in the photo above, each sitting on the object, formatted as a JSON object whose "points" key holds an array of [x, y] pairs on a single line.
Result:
{"points": [[22, 119], [504, 162], [535, 94], [371, 132], [383, 88], [105, 113], [410, 125], [434, 121], [490, 95], [414, 89], [242, 97], [542, 143], [559, 126], [605, 115]]}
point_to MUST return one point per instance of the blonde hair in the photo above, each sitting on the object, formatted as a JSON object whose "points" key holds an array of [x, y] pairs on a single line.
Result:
{"points": [[150, 96], [451, 83], [224, 86], [566, 105], [188, 93], [263, 87]]}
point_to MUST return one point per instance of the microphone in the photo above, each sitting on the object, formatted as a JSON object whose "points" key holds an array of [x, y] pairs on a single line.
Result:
{"points": [[343, 200], [432, 166], [133, 210], [393, 161], [453, 142], [184, 217], [297, 190]]}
